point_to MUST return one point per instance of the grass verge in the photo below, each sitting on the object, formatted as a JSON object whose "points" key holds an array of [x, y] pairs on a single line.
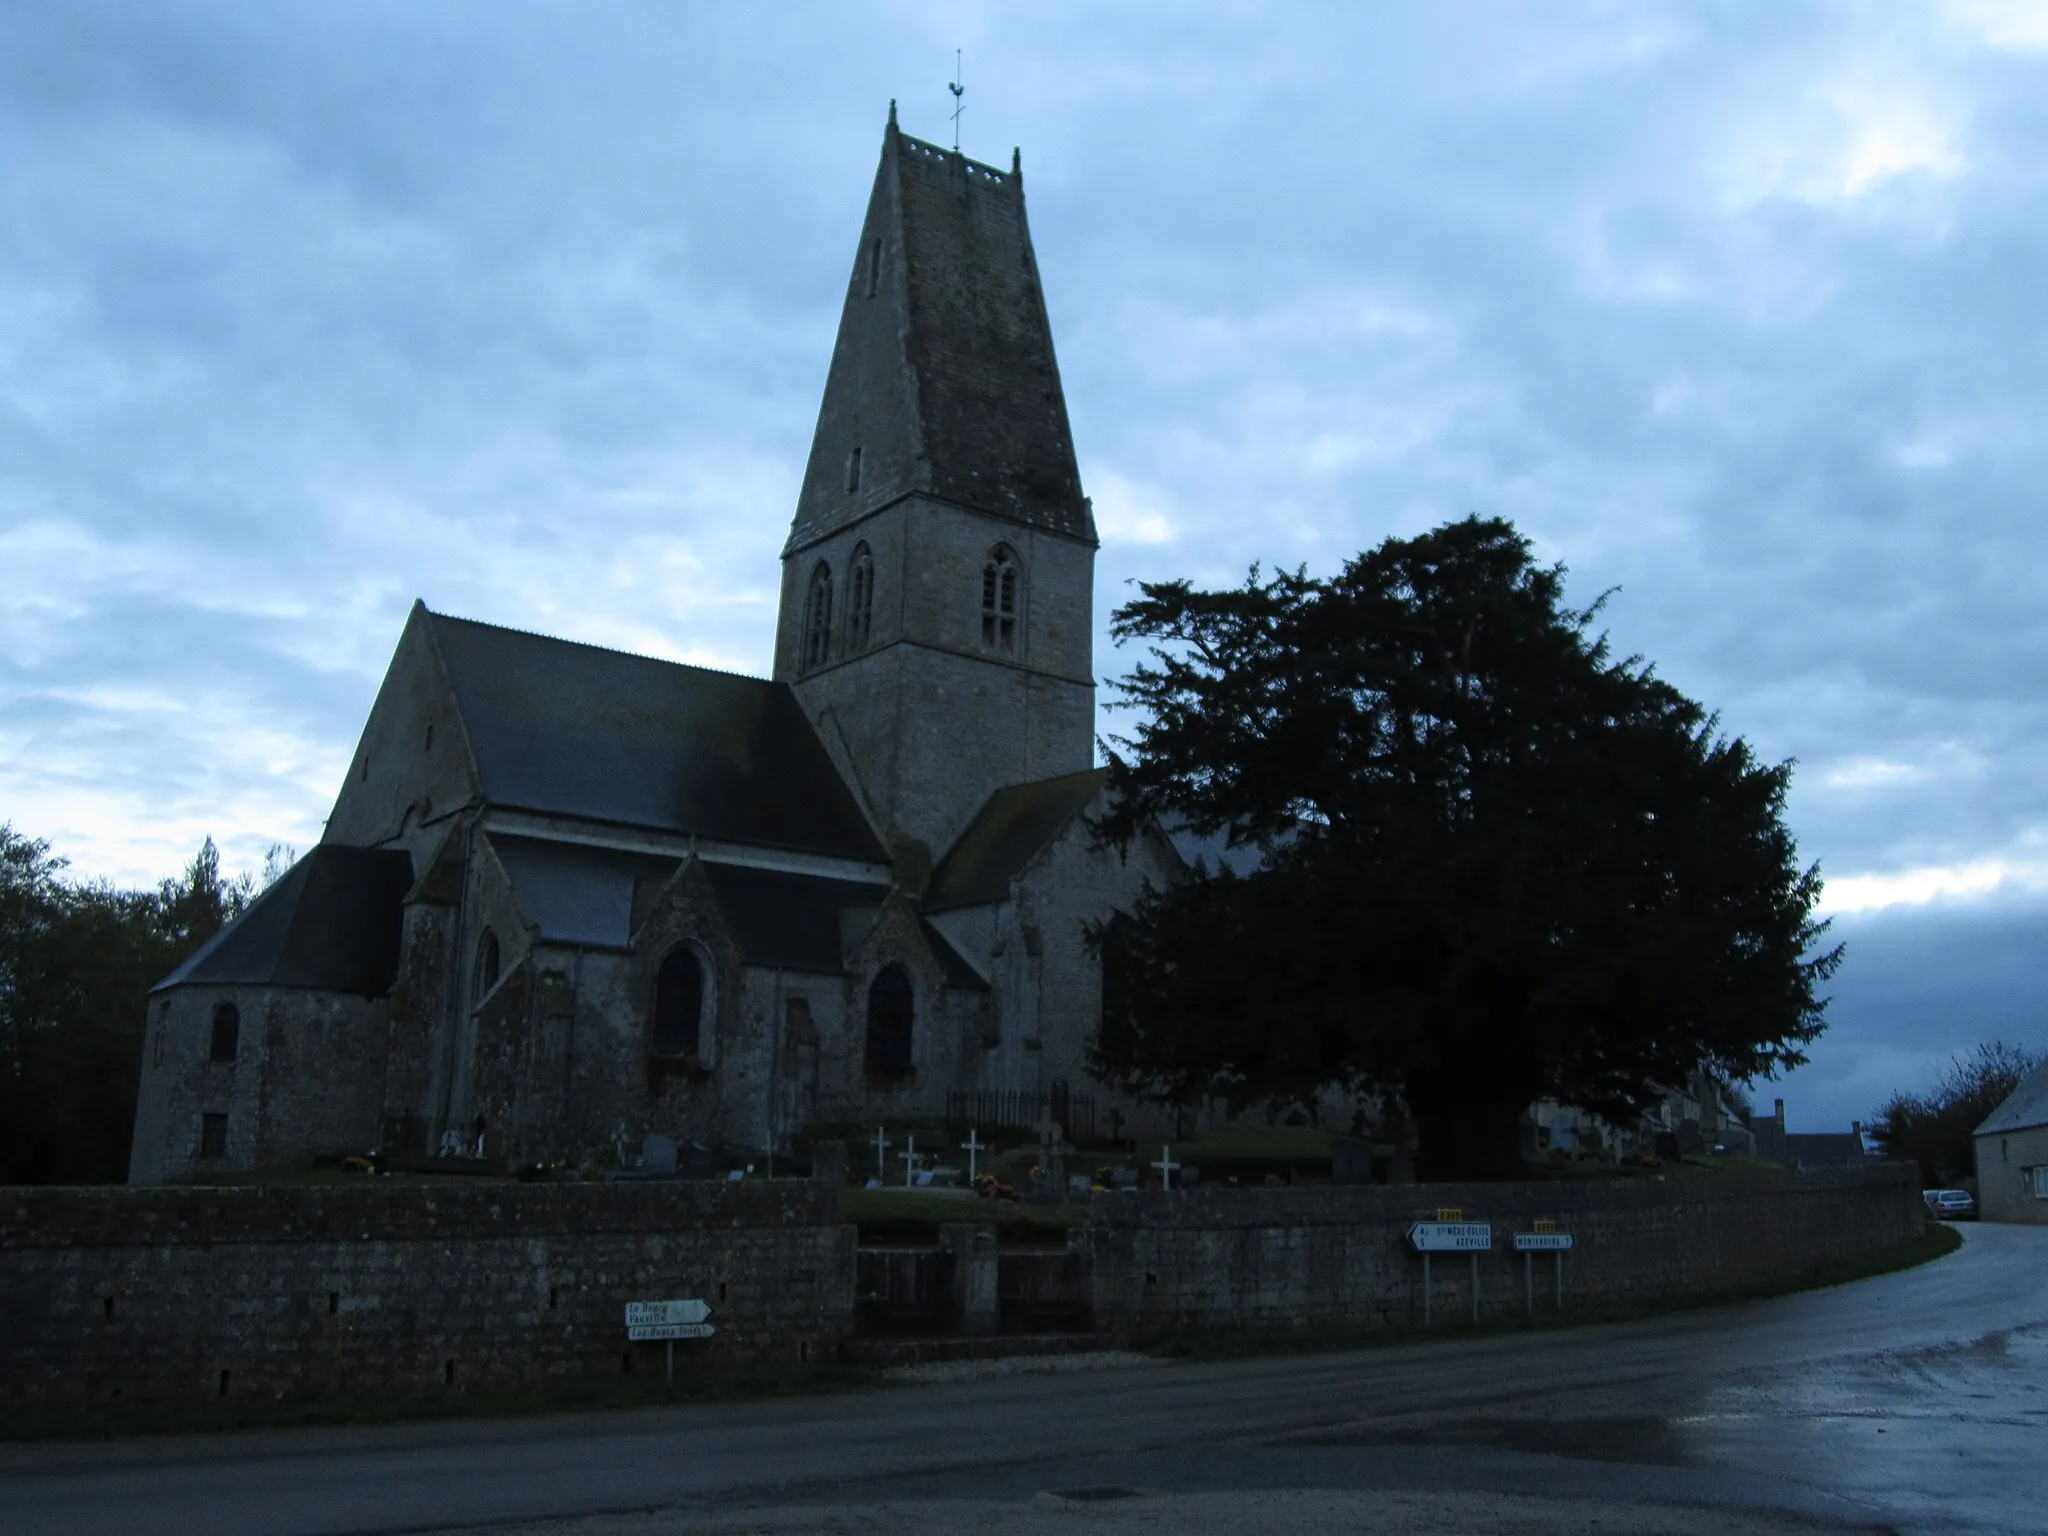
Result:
{"points": [[739, 1386], [1936, 1241]]}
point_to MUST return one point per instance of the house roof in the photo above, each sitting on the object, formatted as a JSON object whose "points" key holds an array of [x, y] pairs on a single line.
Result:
{"points": [[576, 730], [331, 923], [1827, 1149], [2022, 1109], [1009, 831]]}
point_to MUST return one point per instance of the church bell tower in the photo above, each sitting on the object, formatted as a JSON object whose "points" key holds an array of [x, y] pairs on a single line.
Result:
{"points": [[937, 586]]}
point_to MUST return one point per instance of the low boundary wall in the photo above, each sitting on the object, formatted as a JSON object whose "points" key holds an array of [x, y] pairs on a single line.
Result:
{"points": [[1337, 1257], [117, 1299]]}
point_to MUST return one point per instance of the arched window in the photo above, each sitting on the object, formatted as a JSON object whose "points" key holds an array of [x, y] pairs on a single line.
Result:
{"points": [[227, 1032], [679, 1004], [999, 601], [860, 599], [487, 964], [1116, 942], [892, 1013], [818, 619]]}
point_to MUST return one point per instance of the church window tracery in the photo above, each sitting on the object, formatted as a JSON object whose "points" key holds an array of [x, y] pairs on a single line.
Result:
{"points": [[678, 1023], [487, 964], [892, 1019], [860, 598], [1000, 601], [818, 619], [227, 1032]]}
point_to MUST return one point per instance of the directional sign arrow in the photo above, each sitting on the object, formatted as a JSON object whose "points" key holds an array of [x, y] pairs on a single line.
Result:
{"points": [[1451, 1236], [638, 1331], [647, 1314]]}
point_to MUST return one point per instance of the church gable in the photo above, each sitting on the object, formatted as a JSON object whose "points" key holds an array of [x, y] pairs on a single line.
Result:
{"points": [[413, 765], [1012, 829]]}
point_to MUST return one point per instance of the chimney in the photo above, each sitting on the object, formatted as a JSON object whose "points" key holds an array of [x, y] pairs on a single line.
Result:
{"points": [[1781, 1114]]}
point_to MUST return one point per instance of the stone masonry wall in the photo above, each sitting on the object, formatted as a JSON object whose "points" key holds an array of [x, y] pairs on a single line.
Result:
{"points": [[121, 1298], [116, 1298], [1337, 1257]]}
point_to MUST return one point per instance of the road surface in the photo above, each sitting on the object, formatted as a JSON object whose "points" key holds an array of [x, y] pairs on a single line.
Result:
{"points": [[1915, 1402]]}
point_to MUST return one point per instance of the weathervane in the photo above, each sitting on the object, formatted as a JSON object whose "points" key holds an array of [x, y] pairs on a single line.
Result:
{"points": [[959, 105]]}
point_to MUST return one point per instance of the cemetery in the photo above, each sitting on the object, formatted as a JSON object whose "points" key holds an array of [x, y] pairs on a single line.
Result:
{"points": [[377, 1289]]}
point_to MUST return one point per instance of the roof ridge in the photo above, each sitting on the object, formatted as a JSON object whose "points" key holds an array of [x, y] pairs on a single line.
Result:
{"points": [[591, 645]]}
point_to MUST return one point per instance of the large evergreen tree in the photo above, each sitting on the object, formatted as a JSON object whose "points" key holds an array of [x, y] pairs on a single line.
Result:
{"points": [[1498, 864]]}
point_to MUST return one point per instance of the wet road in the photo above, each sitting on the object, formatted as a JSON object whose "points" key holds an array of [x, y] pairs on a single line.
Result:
{"points": [[1915, 1402]]}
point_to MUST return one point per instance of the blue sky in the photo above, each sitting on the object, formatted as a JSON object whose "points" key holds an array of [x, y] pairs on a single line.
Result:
{"points": [[310, 310]]}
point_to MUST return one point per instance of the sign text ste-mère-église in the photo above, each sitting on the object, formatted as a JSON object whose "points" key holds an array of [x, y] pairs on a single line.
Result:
{"points": [[1451, 1236]]}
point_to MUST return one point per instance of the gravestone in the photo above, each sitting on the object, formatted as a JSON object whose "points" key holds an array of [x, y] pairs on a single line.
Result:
{"points": [[828, 1162], [1667, 1147], [658, 1156], [1350, 1160]]}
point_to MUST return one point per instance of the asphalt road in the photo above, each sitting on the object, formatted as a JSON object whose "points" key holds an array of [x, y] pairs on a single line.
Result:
{"points": [[1915, 1402]]}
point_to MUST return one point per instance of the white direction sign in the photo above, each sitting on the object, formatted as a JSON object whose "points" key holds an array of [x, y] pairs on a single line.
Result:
{"points": [[1542, 1242], [635, 1331], [1451, 1236], [666, 1313]]}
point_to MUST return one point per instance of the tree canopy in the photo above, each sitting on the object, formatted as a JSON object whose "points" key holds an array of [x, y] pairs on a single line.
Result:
{"points": [[1936, 1129], [1495, 863], [77, 960]]}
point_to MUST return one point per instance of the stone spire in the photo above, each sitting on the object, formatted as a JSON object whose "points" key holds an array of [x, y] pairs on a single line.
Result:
{"points": [[943, 380]]}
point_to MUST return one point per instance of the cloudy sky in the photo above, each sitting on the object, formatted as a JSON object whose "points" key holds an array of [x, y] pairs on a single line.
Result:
{"points": [[308, 310]]}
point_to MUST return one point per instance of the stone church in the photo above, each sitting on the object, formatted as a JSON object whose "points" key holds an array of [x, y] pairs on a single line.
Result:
{"points": [[568, 896]]}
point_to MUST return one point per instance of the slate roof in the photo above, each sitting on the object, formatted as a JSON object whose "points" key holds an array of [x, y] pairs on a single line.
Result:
{"points": [[577, 894], [331, 923], [1826, 1149], [576, 730], [986, 423], [582, 895], [1006, 834], [2023, 1109]]}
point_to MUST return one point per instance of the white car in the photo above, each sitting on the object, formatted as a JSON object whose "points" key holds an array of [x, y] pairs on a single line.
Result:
{"points": [[1950, 1204]]}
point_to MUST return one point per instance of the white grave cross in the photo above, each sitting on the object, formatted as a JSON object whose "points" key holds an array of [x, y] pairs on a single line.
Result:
{"points": [[972, 1146], [910, 1162], [881, 1152], [1166, 1165]]}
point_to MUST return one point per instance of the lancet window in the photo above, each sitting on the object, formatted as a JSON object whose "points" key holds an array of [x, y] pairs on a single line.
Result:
{"points": [[860, 599], [678, 1024], [1000, 601], [892, 1019], [817, 638]]}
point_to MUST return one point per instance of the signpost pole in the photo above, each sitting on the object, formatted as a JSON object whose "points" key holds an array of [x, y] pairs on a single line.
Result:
{"points": [[1558, 1288], [1425, 1287], [1475, 1287], [671, 1361], [1529, 1280]]}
